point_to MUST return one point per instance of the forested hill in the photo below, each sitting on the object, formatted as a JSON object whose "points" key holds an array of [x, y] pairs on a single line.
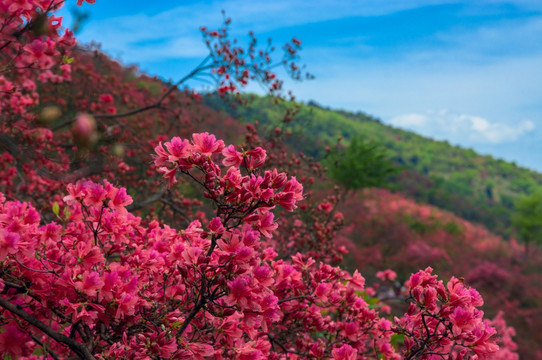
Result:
{"points": [[475, 187]]}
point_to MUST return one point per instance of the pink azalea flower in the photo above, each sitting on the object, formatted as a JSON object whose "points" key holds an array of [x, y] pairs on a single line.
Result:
{"points": [[178, 149], [351, 330], [126, 305], [199, 351], [345, 352], [386, 275], [232, 157], [169, 174], [95, 194], [13, 342], [295, 187], [286, 200], [90, 284], [8, 243], [267, 225], [240, 293], [207, 144], [119, 200], [357, 281], [256, 158], [322, 290], [162, 157]]}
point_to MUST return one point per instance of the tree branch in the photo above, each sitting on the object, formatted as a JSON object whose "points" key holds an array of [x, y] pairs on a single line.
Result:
{"points": [[75, 346], [148, 201]]}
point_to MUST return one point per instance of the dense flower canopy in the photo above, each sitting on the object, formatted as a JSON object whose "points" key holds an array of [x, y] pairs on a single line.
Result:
{"points": [[125, 289]]}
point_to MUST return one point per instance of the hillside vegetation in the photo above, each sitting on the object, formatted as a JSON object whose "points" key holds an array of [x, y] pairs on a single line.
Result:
{"points": [[388, 230], [475, 187]]}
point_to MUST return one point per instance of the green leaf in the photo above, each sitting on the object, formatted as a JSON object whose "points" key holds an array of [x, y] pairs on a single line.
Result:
{"points": [[56, 208], [320, 334], [67, 60], [397, 340], [67, 213]]}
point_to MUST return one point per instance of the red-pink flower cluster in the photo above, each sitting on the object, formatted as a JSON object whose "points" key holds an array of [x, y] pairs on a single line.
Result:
{"points": [[387, 274], [31, 48], [443, 321], [249, 191], [120, 289]]}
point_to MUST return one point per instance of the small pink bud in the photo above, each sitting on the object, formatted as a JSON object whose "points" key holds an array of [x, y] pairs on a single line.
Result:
{"points": [[84, 130]]}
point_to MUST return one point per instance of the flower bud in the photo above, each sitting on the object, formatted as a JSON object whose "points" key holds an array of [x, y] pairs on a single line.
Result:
{"points": [[84, 131]]}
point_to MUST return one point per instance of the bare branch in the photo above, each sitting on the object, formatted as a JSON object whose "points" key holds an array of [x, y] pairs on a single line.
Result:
{"points": [[75, 346]]}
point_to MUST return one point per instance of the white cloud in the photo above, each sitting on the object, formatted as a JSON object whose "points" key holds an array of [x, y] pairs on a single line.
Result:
{"points": [[462, 129], [410, 120]]}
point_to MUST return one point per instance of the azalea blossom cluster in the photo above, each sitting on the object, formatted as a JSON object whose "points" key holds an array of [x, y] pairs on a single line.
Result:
{"points": [[100, 284], [314, 229], [444, 320], [31, 48], [35, 51], [249, 192]]}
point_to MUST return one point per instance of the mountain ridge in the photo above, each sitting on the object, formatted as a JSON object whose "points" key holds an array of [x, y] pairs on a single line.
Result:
{"points": [[476, 187]]}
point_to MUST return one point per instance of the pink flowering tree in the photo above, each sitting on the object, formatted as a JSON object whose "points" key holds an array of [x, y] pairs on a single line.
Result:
{"points": [[98, 283], [53, 134], [86, 278]]}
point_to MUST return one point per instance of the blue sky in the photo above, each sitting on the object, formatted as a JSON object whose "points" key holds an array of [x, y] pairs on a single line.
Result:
{"points": [[469, 72]]}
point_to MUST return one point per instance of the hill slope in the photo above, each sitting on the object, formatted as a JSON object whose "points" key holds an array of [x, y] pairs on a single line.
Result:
{"points": [[475, 187]]}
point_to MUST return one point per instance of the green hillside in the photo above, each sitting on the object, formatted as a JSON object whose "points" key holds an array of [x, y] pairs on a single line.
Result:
{"points": [[476, 187]]}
